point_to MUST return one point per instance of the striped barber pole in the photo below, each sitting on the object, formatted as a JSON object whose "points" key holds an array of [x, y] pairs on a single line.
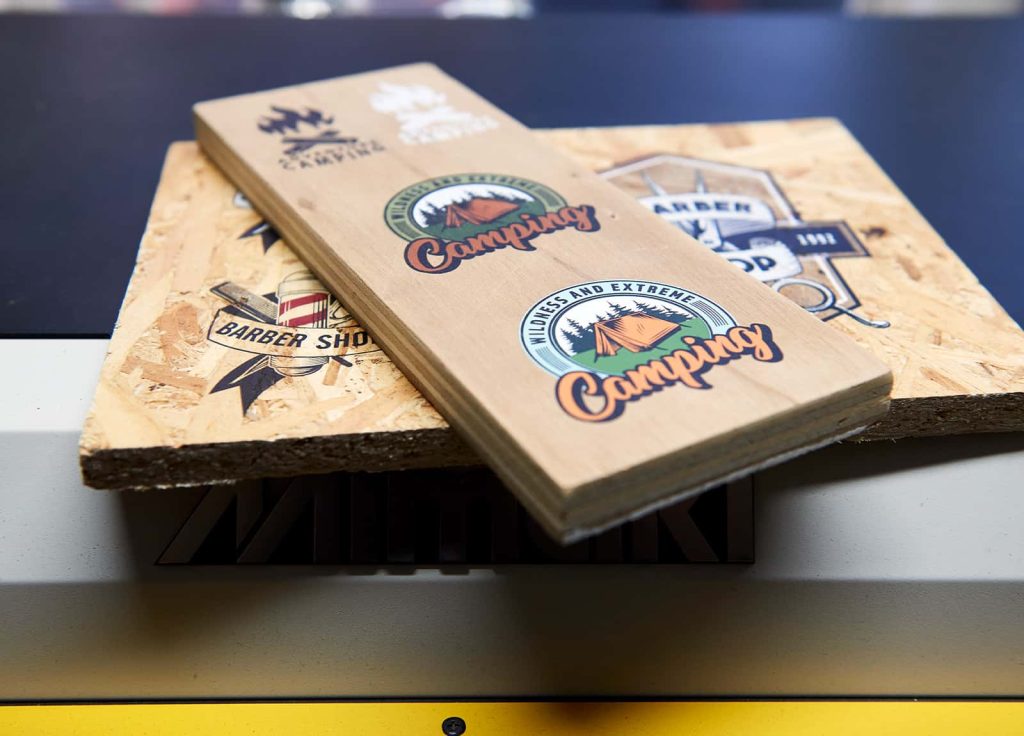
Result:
{"points": [[302, 301]]}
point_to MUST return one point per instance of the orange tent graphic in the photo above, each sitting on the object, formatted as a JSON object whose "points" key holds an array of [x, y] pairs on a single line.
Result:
{"points": [[635, 332], [477, 211]]}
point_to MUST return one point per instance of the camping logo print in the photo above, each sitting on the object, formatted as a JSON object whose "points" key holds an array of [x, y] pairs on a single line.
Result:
{"points": [[311, 139], [424, 114], [741, 214], [614, 342], [452, 219]]}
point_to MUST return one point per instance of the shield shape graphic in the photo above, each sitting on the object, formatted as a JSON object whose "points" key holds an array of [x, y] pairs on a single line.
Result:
{"points": [[742, 214]]}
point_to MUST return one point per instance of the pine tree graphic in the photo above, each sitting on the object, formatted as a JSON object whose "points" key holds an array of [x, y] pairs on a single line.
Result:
{"points": [[435, 215], [580, 338], [660, 312]]}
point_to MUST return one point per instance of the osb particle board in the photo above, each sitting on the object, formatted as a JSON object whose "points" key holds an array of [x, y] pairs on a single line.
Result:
{"points": [[175, 408], [957, 357], [178, 404]]}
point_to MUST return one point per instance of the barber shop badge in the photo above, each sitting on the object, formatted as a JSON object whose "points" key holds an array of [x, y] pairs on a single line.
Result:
{"points": [[742, 214], [295, 331]]}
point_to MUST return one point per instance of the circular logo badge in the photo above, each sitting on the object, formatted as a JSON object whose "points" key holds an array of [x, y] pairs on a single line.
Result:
{"points": [[609, 327], [462, 205]]}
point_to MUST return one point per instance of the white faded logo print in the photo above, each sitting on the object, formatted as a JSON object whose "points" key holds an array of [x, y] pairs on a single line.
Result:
{"points": [[424, 114]]}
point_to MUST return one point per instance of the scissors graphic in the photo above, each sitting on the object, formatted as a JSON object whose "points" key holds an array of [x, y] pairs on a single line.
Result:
{"points": [[828, 301]]}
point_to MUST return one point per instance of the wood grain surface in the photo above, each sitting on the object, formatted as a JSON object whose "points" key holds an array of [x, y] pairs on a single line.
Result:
{"points": [[957, 358], [486, 263]]}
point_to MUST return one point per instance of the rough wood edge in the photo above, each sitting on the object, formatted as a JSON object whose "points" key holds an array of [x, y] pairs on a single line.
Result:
{"points": [[132, 469], [948, 415]]}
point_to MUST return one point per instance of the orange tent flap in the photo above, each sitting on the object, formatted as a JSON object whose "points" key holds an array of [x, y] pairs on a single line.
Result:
{"points": [[477, 211], [635, 332]]}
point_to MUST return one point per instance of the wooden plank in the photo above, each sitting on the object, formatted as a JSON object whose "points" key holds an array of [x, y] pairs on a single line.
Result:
{"points": [[964, 377], [601, 360]]}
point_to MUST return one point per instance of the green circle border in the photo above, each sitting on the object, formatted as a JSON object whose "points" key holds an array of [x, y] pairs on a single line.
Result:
{"points": [[398, 213]]}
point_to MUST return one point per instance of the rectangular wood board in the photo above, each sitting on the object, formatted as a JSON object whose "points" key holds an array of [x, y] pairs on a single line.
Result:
{"points": [[173, 407], [599, 359]]}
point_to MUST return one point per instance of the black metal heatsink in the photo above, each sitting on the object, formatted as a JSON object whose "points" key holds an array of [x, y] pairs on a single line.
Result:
{"points": [[439, 518]]}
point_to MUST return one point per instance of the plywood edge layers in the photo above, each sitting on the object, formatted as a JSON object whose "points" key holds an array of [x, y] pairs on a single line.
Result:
{"points": [[589, 509]]}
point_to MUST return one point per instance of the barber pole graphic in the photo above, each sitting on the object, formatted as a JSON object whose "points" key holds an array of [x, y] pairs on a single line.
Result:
{"points": [[302, 301], [293, 332], [290, 333]]}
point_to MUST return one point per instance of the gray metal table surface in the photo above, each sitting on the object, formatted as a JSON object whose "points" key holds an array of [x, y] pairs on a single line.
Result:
{"points": [[882, 569]]}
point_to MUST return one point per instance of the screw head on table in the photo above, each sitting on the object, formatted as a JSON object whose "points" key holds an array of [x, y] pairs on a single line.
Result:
{"points": [[453, 726]]}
